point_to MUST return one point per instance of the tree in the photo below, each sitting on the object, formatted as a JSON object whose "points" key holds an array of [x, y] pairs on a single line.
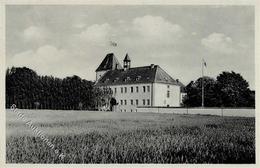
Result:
{"points": [[229, 90], [194, 93], [234, 90], [102, 97], [24, 87]]}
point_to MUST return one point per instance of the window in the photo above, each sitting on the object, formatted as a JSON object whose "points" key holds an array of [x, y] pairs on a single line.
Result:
{"points": [[143, 101], [148, 88], [168, 86], [131, 110], [125, 110], [137, 78], [136, 102], [132, 89], [121, 102], [125, 89], [125, 102], [121, 90], [115, 90], [132, 102], [121, 110], [137, 89], [168, 94], [143, 88], [148, 102]]}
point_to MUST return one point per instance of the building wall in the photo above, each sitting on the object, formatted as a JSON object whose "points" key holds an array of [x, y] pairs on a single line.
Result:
{"points": [[127, 96], [155, 94], [160, 97]]}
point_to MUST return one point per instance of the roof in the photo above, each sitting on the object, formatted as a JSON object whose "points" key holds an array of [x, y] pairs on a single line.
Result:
{"points": [[127, 58], [110, 62], [145, 74]]}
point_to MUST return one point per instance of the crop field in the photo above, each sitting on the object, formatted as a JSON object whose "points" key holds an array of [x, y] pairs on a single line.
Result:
{"points": [[107, 137]]}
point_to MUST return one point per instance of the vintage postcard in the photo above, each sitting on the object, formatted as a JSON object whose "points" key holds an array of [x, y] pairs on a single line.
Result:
{"points": [[129, 83]]}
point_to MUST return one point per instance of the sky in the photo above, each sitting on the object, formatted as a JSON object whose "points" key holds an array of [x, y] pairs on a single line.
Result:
{"points": [[73, 40]]}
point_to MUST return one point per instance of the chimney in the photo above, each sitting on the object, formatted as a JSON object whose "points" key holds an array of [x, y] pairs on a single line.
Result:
{"points": [[177, 80], [152, 66]]}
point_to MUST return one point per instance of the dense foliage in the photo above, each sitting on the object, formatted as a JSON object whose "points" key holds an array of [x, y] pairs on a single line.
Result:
{"points": [[28, 90], [228, 90]]}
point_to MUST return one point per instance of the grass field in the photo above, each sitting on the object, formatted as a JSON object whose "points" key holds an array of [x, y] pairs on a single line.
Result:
{"points": [[106, 137]]}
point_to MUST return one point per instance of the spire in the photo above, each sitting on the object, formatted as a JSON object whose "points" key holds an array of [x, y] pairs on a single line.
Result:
{"points": [[127, 62], [127, 58]]}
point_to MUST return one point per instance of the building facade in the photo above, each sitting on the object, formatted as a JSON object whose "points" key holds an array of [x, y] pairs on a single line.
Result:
{"points": [[137, 86]]}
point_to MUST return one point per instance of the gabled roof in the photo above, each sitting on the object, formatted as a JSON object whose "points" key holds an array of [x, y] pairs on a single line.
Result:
{"points": [[109, 63], [127, 58], [145, 74]]}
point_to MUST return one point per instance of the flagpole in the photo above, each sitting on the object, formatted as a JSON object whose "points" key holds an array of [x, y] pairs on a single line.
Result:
{"points": [[202, 83]]}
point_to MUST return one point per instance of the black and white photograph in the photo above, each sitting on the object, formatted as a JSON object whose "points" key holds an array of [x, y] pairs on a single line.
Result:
{"points": [[129, 84]]}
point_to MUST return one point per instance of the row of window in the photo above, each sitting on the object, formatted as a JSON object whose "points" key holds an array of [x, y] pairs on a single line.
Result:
{"points": [[132, 110], [135, 102], [133, 89]]}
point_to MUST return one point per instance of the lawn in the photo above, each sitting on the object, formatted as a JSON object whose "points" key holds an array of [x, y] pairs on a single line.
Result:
{"points": [[107, 137]]}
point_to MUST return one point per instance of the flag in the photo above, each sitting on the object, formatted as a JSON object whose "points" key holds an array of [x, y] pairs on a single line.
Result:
{"points": [[112, 43]]}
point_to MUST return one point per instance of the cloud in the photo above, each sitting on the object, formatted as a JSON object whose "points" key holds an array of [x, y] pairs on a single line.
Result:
{"points": [[35, 34], [60, 62], [194, 33], [88, 46], [156, 28], [141, 31], [96, 34], [79, 25], [218, 42], [46, 59]]}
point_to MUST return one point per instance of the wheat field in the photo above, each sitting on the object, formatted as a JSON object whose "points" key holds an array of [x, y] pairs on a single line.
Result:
{"points": [[107, 137]]}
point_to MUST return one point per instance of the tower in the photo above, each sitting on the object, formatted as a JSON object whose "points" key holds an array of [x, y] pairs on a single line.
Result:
{"points": [[127, 62], [110, 62]]}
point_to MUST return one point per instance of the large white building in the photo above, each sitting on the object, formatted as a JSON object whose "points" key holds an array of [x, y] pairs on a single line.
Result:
{"points": [[138, 86]]}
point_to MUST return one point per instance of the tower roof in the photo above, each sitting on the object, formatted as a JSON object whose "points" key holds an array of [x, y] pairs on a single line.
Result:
{"points": [[127, 58], [110, 62]]}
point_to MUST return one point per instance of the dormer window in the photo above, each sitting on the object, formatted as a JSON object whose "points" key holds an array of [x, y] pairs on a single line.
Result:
{"points": [[116, 79], [127, 79], [138, 78]]}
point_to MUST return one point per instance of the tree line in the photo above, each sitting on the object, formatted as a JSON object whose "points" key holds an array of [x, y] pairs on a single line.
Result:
{"points": [[229, 89], [28, 90]]}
